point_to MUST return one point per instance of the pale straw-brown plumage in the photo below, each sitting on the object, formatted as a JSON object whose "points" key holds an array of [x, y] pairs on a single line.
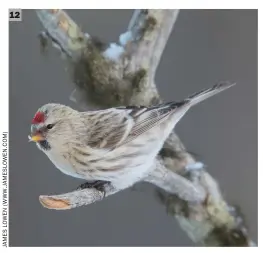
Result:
{"points": [[118, 145]]}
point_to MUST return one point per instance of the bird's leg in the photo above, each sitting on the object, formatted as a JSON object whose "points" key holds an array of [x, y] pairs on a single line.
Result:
{"points": [[98, 185]]}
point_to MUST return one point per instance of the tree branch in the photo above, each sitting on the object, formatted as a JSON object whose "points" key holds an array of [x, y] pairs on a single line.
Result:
{"points": [[63, 31], [160, 176], [123, 74], [148, 32], [75, 199]]}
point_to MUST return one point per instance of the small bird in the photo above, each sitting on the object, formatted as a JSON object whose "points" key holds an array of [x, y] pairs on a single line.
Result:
{"points": [[114, 146]]}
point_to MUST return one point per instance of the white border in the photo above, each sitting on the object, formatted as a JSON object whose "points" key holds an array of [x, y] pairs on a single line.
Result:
{"points": [[103, 4], [137, 4], [4, 97]]}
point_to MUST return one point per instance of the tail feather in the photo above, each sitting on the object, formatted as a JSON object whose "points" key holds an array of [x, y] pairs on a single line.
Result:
{"points": [[206, 93], [183, 105]]}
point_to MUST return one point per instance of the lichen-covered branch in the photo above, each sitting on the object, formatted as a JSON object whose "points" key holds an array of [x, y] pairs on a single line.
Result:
{"points": [[63, 31], [149, 31], [122, 73]]}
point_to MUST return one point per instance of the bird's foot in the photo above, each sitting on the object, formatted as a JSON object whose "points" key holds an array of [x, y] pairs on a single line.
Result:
{"points": [[98, 185]]}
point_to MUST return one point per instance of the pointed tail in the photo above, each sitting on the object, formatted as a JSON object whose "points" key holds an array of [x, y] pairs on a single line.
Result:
{"points": [[206, 93]]}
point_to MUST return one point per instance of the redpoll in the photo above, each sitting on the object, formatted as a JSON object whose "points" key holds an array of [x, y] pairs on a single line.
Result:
{"points": [[116, 145]]}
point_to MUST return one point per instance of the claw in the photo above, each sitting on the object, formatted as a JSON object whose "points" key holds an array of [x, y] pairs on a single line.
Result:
{"points": [[98, 185]]}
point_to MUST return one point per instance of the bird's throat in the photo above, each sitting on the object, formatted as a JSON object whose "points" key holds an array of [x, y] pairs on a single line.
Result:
{"points": [[44, 145]]}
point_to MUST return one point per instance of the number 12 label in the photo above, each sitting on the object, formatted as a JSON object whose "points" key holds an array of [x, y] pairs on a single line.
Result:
{"points": [[15, 15]]}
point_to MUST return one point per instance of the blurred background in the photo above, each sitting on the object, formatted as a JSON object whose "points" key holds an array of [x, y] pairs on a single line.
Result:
{"points": [[205, 46]]}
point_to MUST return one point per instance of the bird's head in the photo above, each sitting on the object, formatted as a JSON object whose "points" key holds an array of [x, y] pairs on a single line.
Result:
{"points": [[51, 125]]}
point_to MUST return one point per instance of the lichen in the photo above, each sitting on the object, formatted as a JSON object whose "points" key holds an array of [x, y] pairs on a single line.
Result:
{"points": [[168, 152], [148, 26], [222, 236], [98, 43], [155, 100], [98, 77], [150, 23], [137, 79]]}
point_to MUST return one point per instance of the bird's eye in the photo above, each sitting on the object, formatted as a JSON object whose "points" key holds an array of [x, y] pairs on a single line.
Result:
{"points": [[49, 126]]}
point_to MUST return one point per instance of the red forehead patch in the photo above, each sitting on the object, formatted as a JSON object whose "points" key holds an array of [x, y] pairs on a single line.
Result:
{"points": [[38, 118]]}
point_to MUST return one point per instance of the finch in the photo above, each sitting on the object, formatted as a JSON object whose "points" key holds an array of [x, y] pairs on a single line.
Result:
{"points": [[116, 145]]}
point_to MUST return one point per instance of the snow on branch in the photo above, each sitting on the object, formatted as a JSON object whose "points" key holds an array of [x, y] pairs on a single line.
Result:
{"points": [[122, 73]]}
